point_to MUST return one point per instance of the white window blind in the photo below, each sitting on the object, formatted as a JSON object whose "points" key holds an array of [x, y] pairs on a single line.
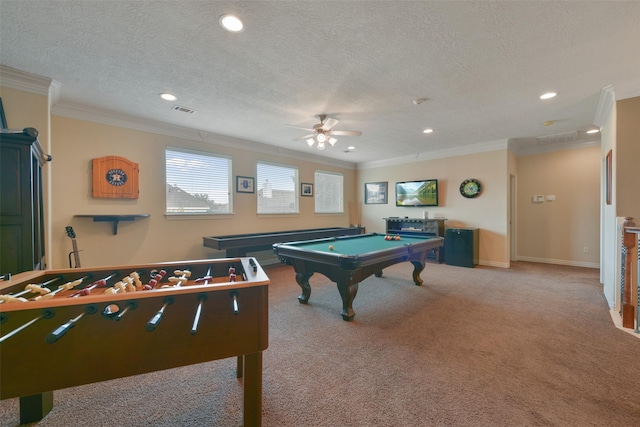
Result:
{"points": [[197, 182], [277, 189], [329, 196]]}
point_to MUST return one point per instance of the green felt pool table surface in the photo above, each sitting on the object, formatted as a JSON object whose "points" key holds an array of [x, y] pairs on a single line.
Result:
{"points": [[348, 260]]}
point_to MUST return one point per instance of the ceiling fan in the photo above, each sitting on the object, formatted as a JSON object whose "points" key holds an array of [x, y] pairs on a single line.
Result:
{"points": [[323, 133]]}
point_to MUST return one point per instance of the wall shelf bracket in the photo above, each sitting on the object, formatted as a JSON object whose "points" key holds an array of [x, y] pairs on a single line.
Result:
{"points": [[115, 219]]}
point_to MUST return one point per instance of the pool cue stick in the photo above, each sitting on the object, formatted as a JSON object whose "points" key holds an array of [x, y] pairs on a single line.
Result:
{"points": [[66, 286], [201, 298], [33, 287], [153, 323], [46, 313], [63, 329], [97, 284]]}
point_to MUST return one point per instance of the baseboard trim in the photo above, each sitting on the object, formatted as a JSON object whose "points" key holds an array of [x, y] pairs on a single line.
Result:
{"points": [[560, 262]]}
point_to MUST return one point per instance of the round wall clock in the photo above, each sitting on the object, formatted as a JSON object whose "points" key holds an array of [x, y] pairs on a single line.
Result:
{"points": [[470, 188]]}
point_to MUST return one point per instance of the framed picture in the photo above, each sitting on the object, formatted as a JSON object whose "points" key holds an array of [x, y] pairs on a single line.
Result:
{"points": [[375, 193], [306, 189], [608, 172], [245, 184]]}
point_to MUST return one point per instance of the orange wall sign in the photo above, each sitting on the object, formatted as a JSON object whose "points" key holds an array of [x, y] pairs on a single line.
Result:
{"points": [[115, 178]]}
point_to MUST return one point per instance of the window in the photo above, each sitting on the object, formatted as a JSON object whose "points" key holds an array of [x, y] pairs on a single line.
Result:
{"points": [[329, 195], [197, 182], [277, 189]]}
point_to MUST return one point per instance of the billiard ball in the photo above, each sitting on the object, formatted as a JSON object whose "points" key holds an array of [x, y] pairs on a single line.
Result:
{"points": [[330, 247], [397, 237]]}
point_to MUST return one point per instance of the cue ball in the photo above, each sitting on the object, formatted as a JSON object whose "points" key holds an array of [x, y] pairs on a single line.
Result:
{"points": [[330, 247]]}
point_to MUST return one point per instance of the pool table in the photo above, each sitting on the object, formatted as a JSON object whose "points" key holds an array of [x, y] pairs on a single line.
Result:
{"points": [[348, 260]]}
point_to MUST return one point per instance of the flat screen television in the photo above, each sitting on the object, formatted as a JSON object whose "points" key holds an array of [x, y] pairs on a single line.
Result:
{"points": [[417, 193]]}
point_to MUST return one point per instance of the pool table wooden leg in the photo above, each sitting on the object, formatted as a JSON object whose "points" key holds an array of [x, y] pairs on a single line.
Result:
{"points": [[417, 269], [303, 281], [348, 294]]}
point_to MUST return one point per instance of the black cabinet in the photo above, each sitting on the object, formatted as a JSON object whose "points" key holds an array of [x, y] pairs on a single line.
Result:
{"points": [[21, 204], [461, 246], [421, 227]]}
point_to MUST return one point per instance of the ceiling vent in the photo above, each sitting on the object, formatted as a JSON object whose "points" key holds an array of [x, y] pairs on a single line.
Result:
{"points": [[183, 109], [558, 138]]}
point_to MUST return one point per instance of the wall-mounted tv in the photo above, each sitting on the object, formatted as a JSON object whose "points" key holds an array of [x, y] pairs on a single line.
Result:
{"points": [[417, 193]]}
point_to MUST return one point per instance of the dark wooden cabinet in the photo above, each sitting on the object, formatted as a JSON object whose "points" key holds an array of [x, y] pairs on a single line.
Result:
{"points": [[462, 246], [422, 227], [21, 201]]}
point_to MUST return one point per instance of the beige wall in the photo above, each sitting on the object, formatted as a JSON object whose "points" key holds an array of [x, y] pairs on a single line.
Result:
{"points": [[488, 212], [628, 158], [558, 231], [563, 228], [157, 238]]}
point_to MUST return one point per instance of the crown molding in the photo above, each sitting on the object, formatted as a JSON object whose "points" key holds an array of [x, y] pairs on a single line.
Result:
{"points": [[111, 118], [27, 82], [605, 105], [501, 144]]}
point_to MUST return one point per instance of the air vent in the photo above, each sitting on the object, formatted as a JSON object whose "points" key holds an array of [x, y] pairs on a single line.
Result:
{"points": [[183, 109], [558, 138]]}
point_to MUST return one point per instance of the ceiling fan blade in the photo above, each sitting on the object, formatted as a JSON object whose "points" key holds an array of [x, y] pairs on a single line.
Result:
{"points": [[306, 136], [329, 123], [346, 132], [300, 127]]}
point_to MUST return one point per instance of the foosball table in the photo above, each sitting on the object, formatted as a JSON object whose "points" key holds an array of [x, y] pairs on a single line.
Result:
{"points": [[166, 315]]}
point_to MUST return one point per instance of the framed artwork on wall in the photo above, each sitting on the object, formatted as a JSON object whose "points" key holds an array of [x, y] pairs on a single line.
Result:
{"points": [[245, 184], [375, 193], [306, 189], [608, 166]]}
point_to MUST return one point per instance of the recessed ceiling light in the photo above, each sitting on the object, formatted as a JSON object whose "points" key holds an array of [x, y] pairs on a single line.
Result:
{"points": [[168, 97], [548, 95], [231, 23], [593, 131], [351, 147], [548, 123], [427, 130]]}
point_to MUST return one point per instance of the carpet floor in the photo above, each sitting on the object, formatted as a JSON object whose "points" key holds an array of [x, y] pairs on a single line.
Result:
{"points": [[532, 345]]}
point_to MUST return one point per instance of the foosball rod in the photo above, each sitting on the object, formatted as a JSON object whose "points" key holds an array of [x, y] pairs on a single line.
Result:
{"points": [[47, 313], [153, 323], [63, 287], [201, 298], [97, 284], [236, 309], [63, 329], [39, 288]]}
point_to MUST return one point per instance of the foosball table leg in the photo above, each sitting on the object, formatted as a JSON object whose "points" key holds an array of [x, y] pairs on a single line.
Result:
{"points": [[36, 407], [240, 367]]}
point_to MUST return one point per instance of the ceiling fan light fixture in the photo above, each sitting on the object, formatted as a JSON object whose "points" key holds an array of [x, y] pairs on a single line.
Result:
{"points": [[332, 141], [310, 142], [321, 137], [321, 146]]}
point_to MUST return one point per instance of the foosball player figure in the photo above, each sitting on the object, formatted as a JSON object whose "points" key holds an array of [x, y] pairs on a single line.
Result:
{"points": [[232, 274]]}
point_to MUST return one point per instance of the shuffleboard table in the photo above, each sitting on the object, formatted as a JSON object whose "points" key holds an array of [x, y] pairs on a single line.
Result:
{"points": [[348, 260], [238, 245]]}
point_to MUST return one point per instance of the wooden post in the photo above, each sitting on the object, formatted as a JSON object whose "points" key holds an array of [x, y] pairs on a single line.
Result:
{"points": [[629, 242]]}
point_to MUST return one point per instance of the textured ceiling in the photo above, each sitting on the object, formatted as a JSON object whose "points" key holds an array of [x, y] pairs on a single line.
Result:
{"points": [[481, 66]]}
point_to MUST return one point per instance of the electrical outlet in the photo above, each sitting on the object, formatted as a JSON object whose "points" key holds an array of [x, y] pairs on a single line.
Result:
{"points": [[585, 249]]}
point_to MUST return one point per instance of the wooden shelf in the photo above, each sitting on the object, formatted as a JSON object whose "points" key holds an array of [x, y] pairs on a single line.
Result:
{"points": [[115, 219]]}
